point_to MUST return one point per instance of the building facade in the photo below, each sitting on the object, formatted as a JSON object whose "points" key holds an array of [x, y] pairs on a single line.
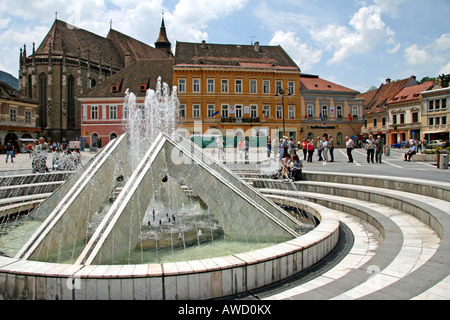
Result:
{"points": [[249, 90], [404, 114], [69, 62], [103, 110], [435, 114], [375, 111], [329, 110], [17, 116]]}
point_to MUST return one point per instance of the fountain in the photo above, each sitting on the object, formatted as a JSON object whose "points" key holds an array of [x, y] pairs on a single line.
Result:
{"points": [[154, 205]]}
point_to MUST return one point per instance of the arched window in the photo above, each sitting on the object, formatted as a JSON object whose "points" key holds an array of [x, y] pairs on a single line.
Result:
{"points": [[94, 140], [112, 136], [43, 100], [71, 102]]}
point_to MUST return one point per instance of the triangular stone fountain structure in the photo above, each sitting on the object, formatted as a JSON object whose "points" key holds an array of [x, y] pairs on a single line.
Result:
{"points": [[243, 213]]}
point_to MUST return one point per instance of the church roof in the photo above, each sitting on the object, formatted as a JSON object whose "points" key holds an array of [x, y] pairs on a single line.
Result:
{"points": [[78, 41]]}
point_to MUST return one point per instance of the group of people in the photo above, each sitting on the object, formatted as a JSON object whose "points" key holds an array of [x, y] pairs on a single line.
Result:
{"points": [[62, 158], [291, 167], [375, 149]]}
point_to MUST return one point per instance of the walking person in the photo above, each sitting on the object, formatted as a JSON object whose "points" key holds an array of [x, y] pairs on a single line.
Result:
{"points": [[379, 145], [319, 148], [10, 151], [350, 145], [331, 148], [370, 147], [304, 146]]}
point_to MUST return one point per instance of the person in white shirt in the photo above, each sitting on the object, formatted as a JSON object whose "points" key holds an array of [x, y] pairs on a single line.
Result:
{"points": [[349, 144], [325, 149]]}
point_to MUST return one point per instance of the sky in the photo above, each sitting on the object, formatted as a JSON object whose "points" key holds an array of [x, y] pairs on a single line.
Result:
{"points": [[354, 43]]}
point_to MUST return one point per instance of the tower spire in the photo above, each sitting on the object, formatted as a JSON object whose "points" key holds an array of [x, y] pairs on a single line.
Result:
{"points": [[163, 43]]}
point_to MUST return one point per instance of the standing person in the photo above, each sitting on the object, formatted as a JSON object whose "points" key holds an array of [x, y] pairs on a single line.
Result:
{"points": [[246, 148], [291, 145], [281, 149], [310, 150], [349, 144], [331, 148], [370, 147], [304, 146], [379, 149], [319, 148], [269, 147], [240, 147], [10, 151], [325, 149]]}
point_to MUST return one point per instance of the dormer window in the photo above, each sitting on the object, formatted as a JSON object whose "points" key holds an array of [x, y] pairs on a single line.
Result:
{"points": [[114, 88], [142, 87]]}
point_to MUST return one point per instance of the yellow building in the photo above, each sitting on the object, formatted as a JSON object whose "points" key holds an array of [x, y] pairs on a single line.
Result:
{"points": [[232, 89]]}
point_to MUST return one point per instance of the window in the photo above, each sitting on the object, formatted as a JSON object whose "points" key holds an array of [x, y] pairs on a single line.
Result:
{"points": [[253, 111], [355, 111], [225, 111], [27, 116], [394, 119], [113, 112], [444, 120], [431, 105], [181, 85], [266, 110], [291, 112], [238, 111], [437, 104], [415, 117], [375, 122], [431, 121], [211, 110], [324, 111], [278, 86], [71, 102], [437, 121], [182, 111], [12, 115], [309, 110], [339, 111], [402, 118], [224, 85], [94, 112], [444, 104], [196, 111], [266, 86], [196, 85], [210, 85], [238, 86], [279, 112], [253, 86], [291, 87], [43, 100], [383, 122]]}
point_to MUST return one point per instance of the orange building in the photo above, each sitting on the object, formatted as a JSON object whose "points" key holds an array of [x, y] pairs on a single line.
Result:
{"points": [[223, 88]]}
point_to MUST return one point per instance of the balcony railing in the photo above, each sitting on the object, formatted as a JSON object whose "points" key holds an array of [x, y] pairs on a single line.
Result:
{"points": [[332, 119]]}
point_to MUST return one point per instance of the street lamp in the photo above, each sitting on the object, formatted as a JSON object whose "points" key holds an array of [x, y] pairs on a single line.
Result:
{"points": [[283, 93]]}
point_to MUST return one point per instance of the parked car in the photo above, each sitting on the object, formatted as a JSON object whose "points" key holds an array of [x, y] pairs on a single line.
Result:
{"points": [[435, 143], [401, 144]]}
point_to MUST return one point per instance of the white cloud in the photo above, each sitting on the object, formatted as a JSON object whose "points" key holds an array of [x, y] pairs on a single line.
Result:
{"points": [[304, 56], [389, 7], [434, 57], [367, 31]]}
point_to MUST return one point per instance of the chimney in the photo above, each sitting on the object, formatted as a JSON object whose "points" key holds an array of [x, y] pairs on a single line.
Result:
{"points": [[257, 46], [127, 59], [203, 44], [388, 81]]}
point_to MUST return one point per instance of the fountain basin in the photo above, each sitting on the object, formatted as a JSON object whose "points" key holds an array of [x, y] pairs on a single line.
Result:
{"points": [[189, 280]]}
